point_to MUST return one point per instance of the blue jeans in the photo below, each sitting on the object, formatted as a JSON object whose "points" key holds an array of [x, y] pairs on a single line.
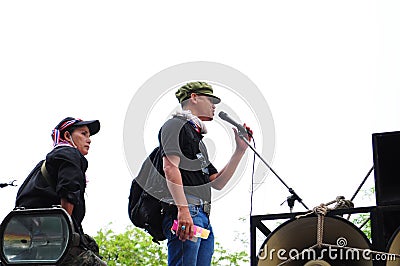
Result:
{"points": [[189, 253]]}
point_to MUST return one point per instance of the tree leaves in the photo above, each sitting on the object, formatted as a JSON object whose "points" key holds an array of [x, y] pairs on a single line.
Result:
{"points": [[135, 247]]}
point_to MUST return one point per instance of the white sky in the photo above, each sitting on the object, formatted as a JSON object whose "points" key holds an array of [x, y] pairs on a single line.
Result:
{"points": [[329, 72]]}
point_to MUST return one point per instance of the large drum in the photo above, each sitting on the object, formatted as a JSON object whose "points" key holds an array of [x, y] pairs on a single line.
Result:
{"points": [[348, 245]]}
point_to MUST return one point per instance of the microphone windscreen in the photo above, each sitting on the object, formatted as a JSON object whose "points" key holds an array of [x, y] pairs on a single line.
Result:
{"points": [[222, 115]]}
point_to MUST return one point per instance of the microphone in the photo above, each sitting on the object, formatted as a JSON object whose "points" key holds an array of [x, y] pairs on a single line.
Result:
{"points": [[241, 129]]}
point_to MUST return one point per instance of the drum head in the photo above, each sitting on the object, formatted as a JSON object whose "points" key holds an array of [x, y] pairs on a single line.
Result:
{"points": [[294, 238]]}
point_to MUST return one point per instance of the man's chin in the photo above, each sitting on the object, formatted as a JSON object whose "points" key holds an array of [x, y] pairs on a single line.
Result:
{"points": [[205, 118]]}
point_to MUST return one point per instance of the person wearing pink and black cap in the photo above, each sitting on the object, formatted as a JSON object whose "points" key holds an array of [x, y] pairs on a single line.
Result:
{"points": [[60, 178]]}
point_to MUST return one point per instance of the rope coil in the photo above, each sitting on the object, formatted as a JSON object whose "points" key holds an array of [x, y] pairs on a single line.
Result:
{"points": [[322, 210]]}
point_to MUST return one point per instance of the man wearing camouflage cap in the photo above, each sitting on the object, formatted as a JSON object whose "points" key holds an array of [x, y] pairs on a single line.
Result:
{"points": [[190, 175]]}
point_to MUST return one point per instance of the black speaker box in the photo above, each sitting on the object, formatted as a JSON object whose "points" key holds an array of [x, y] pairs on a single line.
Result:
{"points": [[386, 153], [384, 225]]}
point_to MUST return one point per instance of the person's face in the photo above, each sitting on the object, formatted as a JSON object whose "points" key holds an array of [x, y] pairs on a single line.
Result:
{"points": [[205, 108], [81, 139]]}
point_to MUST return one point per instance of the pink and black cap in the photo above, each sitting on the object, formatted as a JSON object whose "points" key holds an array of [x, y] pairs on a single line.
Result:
{"points": [[70, 123]]}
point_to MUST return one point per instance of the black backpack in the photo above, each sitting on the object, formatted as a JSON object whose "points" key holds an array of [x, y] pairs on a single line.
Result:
{"points": [[147, 190], [144, 209]]}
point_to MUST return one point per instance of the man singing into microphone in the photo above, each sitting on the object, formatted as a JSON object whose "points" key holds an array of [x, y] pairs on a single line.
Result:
{"points": [[190, 175]]}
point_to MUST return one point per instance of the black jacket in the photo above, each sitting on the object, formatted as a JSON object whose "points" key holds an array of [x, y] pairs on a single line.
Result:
{"points": [[66, 167]]}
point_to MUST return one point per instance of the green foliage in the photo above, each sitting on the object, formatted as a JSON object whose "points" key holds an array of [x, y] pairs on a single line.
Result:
{"points": [[223, 257], [135, 247], [363, 221]]}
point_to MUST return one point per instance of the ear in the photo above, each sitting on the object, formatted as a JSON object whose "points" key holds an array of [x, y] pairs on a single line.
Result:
{"points": [[67, 136], [193, 97]]}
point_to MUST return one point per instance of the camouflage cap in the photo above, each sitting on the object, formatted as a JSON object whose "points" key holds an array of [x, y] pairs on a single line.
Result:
{"points": [[198, 87]]}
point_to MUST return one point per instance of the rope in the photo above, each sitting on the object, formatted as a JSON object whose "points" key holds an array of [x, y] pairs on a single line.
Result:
{"points": [[321, 211], [341, 203]]}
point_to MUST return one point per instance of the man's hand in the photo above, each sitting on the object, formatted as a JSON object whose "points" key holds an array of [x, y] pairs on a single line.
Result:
{"points": [[69, 207], [185, 223], [240, 144]]}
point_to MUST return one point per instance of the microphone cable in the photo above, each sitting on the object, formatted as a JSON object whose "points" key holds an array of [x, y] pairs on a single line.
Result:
{"points": [[252, 177]]}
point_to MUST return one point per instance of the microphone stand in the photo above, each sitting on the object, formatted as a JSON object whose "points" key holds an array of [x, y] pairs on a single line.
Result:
{"points": [[8, 184], [293, 197]]}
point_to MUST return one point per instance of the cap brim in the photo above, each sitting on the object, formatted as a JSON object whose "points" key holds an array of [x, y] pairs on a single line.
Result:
{"points": [[93, 125], [213, 98]]}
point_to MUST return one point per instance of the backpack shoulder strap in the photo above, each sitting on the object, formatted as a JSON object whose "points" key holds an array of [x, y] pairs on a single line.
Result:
{"points": [[47, 176]]}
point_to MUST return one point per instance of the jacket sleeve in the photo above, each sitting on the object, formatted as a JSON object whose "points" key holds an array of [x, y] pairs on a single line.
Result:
{"points": [[71, 180]]}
